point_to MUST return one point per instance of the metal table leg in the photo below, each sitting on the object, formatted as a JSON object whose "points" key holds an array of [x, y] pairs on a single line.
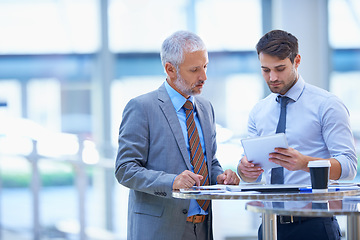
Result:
{"points": [[353, 227], [269, 226]]}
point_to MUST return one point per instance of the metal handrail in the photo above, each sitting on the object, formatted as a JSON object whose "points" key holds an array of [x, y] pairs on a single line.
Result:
{"points": [[81, 185]]}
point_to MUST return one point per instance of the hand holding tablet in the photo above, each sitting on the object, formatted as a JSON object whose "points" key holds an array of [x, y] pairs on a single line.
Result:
{"points": [[257, 149]]}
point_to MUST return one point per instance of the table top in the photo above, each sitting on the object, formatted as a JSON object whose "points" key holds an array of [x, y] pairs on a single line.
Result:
{"points": [[254, 195], [322, 208]]}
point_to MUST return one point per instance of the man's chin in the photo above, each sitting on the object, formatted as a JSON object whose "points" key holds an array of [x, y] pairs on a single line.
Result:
{"points": [[197, 92], [274, 90]]}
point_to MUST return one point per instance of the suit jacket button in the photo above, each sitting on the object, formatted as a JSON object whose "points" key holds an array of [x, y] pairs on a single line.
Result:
{"points": [[164, 194], [185, 211]]}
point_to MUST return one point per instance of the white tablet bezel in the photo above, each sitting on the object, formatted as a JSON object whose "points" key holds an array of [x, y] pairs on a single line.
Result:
{"points": [[257, 149]]}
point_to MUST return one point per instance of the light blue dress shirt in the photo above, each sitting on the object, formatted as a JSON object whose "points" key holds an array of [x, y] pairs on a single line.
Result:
{"points": [[317, 125], [178, 101]]}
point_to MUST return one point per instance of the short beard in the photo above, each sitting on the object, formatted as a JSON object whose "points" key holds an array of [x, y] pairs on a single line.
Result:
{"points": [[181, 85]]}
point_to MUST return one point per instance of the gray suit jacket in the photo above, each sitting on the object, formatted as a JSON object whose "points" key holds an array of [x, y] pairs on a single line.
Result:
{"points": [[152, 152]]}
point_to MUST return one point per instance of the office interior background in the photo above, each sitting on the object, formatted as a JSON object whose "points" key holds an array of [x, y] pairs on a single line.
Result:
{"points": [[68, 67]]}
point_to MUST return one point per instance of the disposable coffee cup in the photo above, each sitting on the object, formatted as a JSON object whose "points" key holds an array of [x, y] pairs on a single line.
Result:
{"points": [[319, 173]]}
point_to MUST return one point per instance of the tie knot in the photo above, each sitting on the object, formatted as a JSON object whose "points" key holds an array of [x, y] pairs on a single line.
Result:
{"points": [[188, 105], [283, 100]]}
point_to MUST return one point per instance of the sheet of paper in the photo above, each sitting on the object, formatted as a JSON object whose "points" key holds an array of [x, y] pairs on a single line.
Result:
{"points": [[205, 189]]}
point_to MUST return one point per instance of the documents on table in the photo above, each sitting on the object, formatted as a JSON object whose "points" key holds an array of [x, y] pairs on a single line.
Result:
{"points": [[344, 186], [288, 187], [269, 188], [205, 189], [265, 188], [246, 188]]}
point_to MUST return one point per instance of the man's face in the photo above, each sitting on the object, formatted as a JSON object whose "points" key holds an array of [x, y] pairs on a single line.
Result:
{"points": [[191, 73], [280, 75]]}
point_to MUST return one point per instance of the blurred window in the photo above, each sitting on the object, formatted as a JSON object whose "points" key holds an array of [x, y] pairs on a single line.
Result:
{"points": [[10, 94], [347, 87], [344, 34], [142, 25], [225, 25], [44, 103], [344, 23], [41, 26]]}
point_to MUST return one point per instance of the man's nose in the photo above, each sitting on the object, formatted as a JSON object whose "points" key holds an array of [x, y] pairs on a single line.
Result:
{"points": [[273, 76], [203, 75]]}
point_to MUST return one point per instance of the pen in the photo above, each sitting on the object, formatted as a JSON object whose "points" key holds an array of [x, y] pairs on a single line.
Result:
{"points": [[305, 189], [310, 190]]}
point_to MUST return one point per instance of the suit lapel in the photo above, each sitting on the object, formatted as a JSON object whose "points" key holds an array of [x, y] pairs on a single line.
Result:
{"points": [[168, 109]]}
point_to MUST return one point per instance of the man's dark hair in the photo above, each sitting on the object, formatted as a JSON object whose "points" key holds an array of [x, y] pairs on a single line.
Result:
{"points": [[280, 44]]}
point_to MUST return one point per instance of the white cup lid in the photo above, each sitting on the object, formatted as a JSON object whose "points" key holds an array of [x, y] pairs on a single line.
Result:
{"points": [[319, 163]]}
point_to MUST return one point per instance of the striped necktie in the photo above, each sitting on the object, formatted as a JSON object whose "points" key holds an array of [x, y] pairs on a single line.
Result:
{"points": [[197, 158], [277, 174]]}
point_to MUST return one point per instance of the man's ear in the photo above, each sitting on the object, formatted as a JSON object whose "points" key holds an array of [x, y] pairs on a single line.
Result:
{"points": [[297, 60], [170, 70]]}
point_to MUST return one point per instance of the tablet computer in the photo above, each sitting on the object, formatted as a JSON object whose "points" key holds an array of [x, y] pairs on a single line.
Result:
{"points": [[257, 149]]}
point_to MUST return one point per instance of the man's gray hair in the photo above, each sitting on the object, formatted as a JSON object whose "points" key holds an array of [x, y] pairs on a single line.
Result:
{"points": [[174, 47]]}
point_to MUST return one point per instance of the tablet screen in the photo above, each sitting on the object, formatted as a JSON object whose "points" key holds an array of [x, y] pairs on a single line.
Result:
{"points": [[257, 149]]}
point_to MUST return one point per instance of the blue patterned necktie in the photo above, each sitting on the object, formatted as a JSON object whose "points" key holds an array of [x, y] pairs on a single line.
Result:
{"points": [[277, 174], [197, 158]]}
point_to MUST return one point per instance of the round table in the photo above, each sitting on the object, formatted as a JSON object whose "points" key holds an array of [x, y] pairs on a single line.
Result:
{"points": [[269, 214], [318, 208]]}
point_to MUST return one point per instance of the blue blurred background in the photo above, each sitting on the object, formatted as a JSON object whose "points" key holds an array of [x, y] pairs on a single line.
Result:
{"points": [[68, 67]]}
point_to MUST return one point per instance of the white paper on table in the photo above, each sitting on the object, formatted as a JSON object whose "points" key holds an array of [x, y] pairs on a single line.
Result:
{"points": [[205, 189]]}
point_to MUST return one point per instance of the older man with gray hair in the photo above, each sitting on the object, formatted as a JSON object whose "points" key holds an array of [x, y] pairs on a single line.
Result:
{"points": [[167, 141]]}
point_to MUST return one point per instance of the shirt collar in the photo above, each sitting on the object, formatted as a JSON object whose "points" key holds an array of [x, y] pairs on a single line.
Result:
{"points": [[177, 99], [296, 90]]}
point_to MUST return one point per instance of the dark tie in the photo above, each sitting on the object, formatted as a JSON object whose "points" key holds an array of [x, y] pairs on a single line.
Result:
{"points": [[196, 153], [277, 174]]}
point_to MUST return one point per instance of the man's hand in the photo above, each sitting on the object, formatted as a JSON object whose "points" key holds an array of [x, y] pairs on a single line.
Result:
{"points": [[187, 179], [229, 177], [290, 159], [248, 171], [293, 160]]}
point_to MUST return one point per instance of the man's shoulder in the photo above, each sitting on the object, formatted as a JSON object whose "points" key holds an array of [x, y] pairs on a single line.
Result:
{"points": [[269, 99], [318, 94], [315, 90], [146, 97]]}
